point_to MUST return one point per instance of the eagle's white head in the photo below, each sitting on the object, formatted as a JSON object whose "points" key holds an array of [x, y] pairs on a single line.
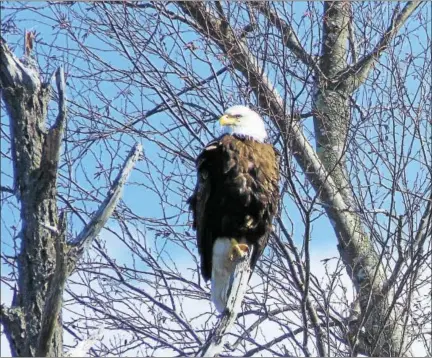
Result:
{"points": [[243, 121]]}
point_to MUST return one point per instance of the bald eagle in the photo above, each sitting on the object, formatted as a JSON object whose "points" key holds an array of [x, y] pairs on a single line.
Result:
{"points": [[235, 198]]}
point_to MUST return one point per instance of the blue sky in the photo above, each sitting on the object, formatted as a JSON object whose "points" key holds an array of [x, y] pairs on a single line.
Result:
{"points": [[145, 202], [48, 34], [134, 197]]}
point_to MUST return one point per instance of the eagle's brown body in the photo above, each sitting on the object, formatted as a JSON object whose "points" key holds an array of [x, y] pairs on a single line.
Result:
{"points": [[236, 195]]}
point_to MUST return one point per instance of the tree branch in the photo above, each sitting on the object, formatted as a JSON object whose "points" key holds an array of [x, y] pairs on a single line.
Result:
{"points": [[270, 101], [425, 226], [400, 260], [82, 348], [5, 189], [163, 106], [14, 73], [263, 317], [92, 229], [299, 281], [361, 261], [13, 323], [215, 343], [356, 74], [290, 38], [423, 231], [52, 144], [61, 89], [26, 100], [45, 259]]}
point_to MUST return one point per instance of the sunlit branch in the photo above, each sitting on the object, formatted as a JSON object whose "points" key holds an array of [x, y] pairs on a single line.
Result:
{"points": [[289, 36], [356, 74], [215, 343], [92, 229]]}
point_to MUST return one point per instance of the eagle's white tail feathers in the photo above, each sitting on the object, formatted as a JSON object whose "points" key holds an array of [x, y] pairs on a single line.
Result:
{"points": [[222, 269]]}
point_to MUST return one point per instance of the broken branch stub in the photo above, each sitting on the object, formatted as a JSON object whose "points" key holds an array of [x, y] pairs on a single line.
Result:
{"points": [[216, 342]]}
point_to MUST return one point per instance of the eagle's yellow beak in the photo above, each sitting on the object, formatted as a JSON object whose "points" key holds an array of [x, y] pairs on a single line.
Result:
{"points": [[226, 120]]}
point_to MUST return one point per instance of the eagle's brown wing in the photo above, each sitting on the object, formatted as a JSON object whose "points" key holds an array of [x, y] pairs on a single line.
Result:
{"points": [[207, 164]]}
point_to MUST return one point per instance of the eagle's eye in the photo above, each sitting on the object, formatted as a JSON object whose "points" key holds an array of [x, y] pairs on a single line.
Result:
{"points": [[237, 116]]}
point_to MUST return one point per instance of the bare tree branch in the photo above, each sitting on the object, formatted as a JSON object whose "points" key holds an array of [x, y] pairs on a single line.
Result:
{"points": [[5, 189], [92, 229], [82, 348], [35, 158], [156, 72], [400, 260], [425, 227], [14, 72], [356, 249], [356, 74], [45, 261], [289, 36], [216, 342]]}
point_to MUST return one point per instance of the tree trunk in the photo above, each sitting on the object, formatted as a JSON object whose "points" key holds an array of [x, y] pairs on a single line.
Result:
{"points": [[383, 335], [35, 152]]}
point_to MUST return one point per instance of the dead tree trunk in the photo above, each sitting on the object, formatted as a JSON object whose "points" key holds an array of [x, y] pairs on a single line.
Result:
{"points": [[35, 153], [33, 323]]}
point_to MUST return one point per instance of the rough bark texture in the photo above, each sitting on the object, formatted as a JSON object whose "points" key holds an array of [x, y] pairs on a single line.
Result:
{"points": [[34, 150], [33, 323], [325, 167]]}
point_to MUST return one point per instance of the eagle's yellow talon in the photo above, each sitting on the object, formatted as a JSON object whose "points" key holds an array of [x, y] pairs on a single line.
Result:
{"points": [[238, 250]]}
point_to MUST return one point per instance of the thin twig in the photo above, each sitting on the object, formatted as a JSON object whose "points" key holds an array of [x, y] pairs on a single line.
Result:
{"points": [[5, 189], [290, 38]]}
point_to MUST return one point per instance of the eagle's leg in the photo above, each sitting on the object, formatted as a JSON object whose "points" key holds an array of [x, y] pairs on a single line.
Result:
{"points": [[237, 250]]}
